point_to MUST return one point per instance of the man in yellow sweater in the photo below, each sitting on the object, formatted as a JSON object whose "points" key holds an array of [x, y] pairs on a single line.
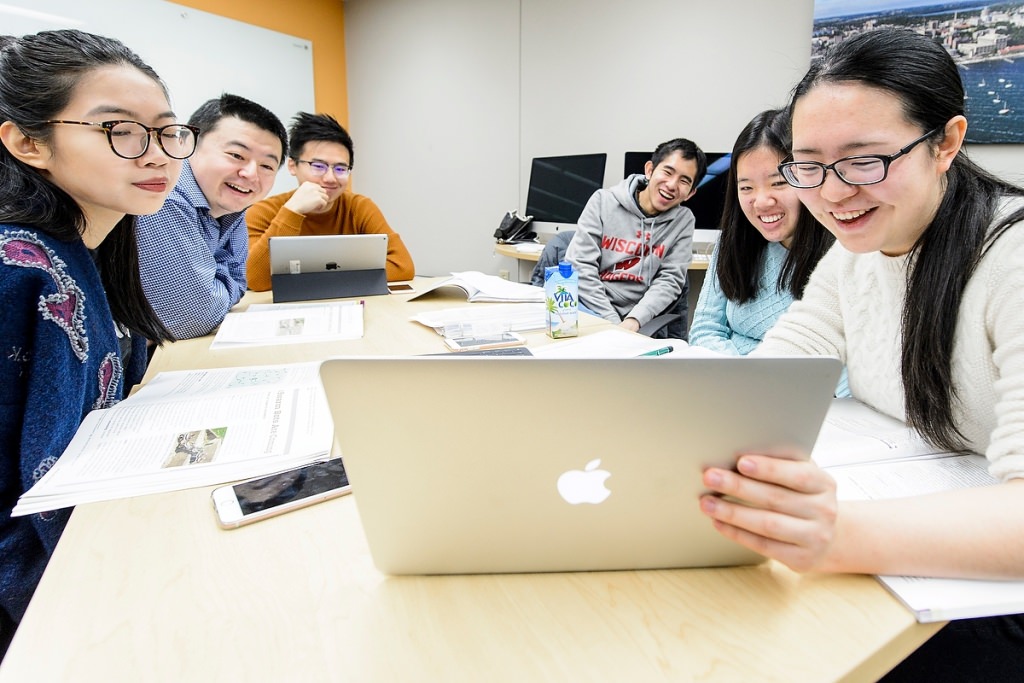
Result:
{"points": [[321, 160]]}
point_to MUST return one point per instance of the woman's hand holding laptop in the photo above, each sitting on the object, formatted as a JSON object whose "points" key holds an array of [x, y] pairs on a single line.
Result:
{"points": [[783, 508]]}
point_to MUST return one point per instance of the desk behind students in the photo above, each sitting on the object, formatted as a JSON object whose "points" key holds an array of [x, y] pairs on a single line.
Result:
{"points": [[150, 588]]}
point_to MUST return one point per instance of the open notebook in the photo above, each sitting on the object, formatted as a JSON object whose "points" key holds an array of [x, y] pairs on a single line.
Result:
{"points": [[310, 267]]}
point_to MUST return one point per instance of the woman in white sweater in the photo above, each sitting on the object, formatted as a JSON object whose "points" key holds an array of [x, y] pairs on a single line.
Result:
{"points": [[921, 299]]}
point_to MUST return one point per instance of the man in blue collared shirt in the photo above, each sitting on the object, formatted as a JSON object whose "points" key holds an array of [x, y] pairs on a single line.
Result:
{"points": [[192, 252]]}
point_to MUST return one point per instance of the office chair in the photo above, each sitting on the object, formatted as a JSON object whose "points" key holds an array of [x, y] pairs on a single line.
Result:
{"points": [[554, 251], [674, 323]]}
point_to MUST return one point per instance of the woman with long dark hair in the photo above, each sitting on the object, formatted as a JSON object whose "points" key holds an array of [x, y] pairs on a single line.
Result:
{"points": [[768, 246], [87, 140], [921, 299]]}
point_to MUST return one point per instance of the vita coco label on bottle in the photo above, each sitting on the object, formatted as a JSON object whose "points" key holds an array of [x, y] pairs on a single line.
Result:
{"points": [[561, 289]]}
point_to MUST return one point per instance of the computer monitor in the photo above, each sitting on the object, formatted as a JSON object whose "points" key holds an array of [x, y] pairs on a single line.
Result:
{"points": [[709, 201], [559, 189]]}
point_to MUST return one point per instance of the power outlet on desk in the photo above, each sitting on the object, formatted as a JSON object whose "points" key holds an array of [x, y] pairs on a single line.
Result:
{"points": [[503, 274]]}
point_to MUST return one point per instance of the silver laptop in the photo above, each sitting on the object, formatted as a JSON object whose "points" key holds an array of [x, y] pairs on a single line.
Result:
{"points": [[321, 253], [490, 465]]}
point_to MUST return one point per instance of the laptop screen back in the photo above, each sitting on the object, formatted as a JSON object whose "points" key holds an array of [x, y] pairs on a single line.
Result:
{"points": [[497, 464]]}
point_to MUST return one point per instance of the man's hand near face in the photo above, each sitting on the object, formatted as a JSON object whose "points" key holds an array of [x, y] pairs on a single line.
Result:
{"points": [[309, 198]]}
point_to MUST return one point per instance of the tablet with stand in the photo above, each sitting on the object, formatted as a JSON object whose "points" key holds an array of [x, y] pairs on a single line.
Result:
{"points": [[328, 266]]}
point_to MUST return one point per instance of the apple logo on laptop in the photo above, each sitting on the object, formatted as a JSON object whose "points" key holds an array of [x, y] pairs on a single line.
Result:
{"points": [[584, 486]]}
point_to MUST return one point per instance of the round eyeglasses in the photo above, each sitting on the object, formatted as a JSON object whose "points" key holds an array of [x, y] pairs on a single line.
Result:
{"points": [[130, 139], [862, 169], [319, 168]]}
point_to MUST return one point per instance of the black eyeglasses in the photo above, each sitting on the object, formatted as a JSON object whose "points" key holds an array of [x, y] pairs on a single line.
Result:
{"points": [[319, 168], [862, 169], [130, 139]]}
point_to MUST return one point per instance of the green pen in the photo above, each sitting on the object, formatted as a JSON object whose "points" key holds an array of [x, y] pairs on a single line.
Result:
{"points": [[658, 352]]}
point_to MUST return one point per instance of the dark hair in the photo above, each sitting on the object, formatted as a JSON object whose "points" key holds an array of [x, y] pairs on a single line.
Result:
{"points": [[741, 247], [38, 77], [920, 72], [318, 128], [210, 112], [688, 149]]}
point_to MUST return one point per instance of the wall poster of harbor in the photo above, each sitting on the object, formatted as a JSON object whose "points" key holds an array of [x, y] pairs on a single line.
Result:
{"points": [[985, 40]]}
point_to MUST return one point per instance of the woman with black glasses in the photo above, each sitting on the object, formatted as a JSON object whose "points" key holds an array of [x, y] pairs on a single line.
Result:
{"points": [[78, 118], [921, 299]]}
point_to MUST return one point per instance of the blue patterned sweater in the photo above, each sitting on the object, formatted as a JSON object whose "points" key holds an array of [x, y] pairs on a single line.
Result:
{"points": [[59, 359]]}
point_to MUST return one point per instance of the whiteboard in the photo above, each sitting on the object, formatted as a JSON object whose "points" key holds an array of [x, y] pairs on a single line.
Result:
{"points": [[198, 55]]}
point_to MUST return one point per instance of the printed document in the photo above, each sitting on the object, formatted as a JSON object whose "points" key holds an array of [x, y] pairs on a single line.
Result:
{"points": [[191, 428], [932, 599], [872, 456], [617, 343], [478, 321], [946, 599], [263, 324], [854, 432]]}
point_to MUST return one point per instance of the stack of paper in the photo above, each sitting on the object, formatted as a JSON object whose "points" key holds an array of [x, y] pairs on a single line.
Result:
{"points": [[529, 248], [472, 321], [853, 432], [191, 428], [873, 456], [262, 324], [945, 599], [487, 288], [617, 343]]}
